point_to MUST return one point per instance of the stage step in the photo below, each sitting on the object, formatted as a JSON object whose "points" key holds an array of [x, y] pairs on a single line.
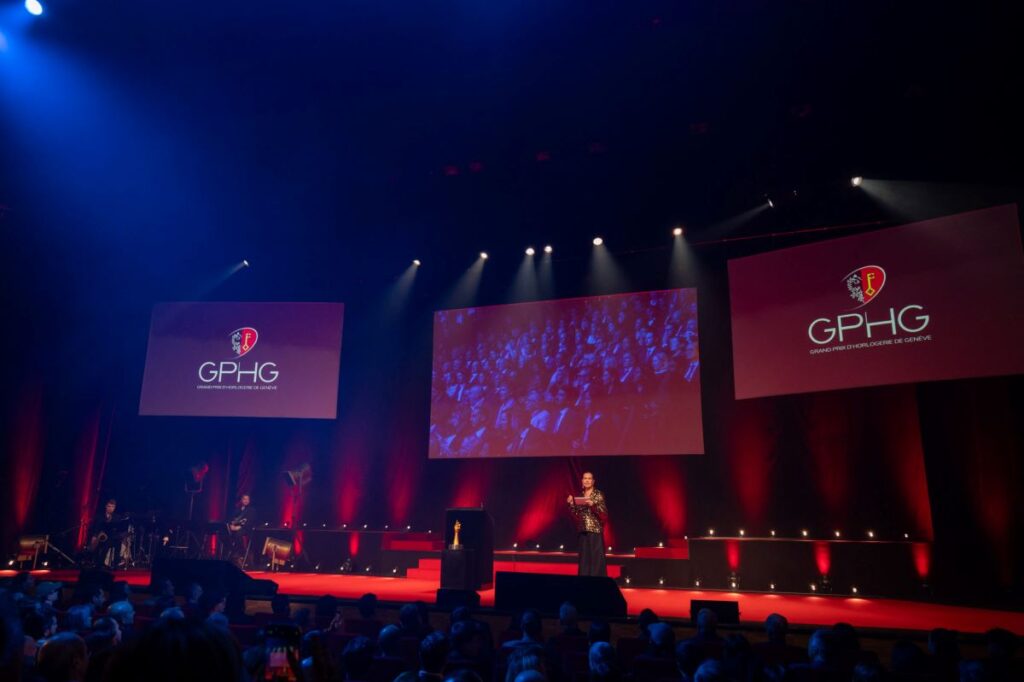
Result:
{"points": [[675, 548], [430, 569]]}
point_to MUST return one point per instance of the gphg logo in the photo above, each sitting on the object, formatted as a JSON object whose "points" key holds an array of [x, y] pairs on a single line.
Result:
{"points": [[909, 320]]}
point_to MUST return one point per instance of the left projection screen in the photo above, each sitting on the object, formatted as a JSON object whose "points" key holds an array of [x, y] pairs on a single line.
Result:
{"points": [[243, 360], [603, 375]]}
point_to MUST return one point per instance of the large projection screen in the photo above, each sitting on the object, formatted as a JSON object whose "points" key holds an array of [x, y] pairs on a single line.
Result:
{"points": [[243, 360], [937, 299], [603, 375]]}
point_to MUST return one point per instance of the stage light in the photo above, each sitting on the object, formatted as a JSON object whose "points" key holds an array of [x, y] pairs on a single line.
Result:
{"points": [[317, 567], [814, 588], [409, 527], [771, 586], [416, 262], [303, 525], [677, 232], [266, 523], [387, 526], [245, 263], [538, 546], [344, 525], [598, 241], [906, 536], [772, 533], [45, 564], [853, 589], [483, 254], [515, 545], [771, 204], [838, 534], [365, 526], [661, 544], [661, 581], [530, 251], [609, 548], [732, 584], [367, 569], [742, 532], [394, 571], [856, 180], [548, 249], [34, 7], [10, 562], [561, 548], [696, 583], [871, 533], [804, 532], [627, 580], [323, 525], [711, 531]]}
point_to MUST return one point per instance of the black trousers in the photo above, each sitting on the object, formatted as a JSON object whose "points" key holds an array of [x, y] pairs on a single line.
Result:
{"points": [[592, 554]]}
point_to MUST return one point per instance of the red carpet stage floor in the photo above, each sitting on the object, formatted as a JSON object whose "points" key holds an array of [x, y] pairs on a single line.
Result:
{"points": [[805, 610]]}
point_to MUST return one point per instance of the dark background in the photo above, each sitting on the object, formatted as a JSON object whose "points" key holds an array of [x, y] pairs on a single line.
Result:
{"points": [[145, 150]]}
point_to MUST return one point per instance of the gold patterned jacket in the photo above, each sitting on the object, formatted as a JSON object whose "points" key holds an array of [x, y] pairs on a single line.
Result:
{"points": [[590, 519]]}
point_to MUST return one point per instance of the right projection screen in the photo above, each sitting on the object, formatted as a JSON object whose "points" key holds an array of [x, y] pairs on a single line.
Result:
{"points": [[936, 299], [602, 375]]}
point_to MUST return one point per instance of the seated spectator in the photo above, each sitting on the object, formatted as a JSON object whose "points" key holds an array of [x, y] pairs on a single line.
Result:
{"points": [[777, 650], [434, 651], [707, 633], [410, 623], [945, 654], [101, 643], [177, 650], [569, 619], [689, 656], [738, 659], [527, 657], [1002, 649], [304, 619], [48, 594], [171, 613], [658, 661], [120, 591], [388, 642], [357, 658], [823, 661], [366, 624], [530, 676], [218, 620], [124, 613], [870, 672], [163, 599], [326, 613], [194, 606], [599, 631], [848, 650], [209, 602], [602, 664], [532, 627], [710, 671], [907, 659], [644, 620], [64, 658], [90, 594], [79, 618]]}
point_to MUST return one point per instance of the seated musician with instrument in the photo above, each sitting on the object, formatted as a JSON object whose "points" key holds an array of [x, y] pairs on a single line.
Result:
{"points": [[105, 535], [238, 528]]}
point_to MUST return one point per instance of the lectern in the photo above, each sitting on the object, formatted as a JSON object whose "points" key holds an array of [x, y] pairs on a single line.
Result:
{"points": [[468, 565]]}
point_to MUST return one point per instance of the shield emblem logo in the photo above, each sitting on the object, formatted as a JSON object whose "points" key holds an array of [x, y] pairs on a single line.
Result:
{"points": [[243, 340], [865, 283]]}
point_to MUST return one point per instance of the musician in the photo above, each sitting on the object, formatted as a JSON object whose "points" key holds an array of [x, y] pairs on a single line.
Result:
{"points": [[590, 519], [239, 526], [104, 534]]}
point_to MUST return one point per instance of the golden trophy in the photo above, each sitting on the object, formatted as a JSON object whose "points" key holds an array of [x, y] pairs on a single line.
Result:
{"points": [[455, 542]]}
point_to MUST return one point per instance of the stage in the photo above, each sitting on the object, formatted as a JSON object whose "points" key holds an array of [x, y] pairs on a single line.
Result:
{"points": [[801, 610]]}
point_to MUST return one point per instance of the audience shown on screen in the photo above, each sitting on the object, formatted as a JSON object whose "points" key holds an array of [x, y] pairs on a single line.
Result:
{"points": [[600, 375]]}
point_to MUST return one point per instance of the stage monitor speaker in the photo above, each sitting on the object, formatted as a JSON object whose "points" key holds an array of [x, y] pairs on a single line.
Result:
{"points": [[213, 575], [728, 612], [593, 596]]}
